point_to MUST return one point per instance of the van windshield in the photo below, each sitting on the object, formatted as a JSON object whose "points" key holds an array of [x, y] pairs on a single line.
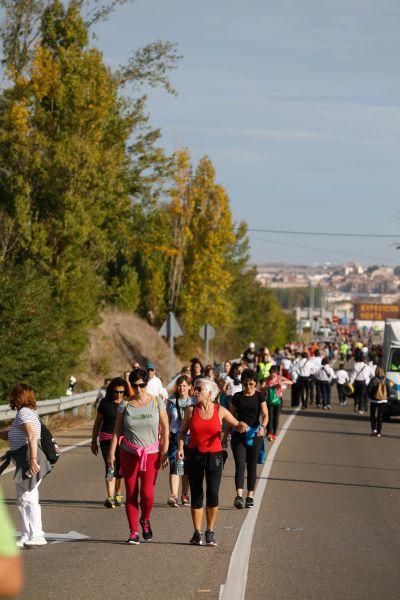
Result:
{"points": [[394, 361]]}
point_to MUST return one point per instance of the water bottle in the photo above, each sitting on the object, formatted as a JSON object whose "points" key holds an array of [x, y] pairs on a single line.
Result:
{"points": [[180, 467], [110, 474]]}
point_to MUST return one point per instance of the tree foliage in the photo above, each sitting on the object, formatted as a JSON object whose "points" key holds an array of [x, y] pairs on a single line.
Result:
{"points": [[93, 210]]}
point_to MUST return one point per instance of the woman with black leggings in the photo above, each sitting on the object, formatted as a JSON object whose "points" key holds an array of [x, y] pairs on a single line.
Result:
{"points": [[204, 456], [250, 407]]}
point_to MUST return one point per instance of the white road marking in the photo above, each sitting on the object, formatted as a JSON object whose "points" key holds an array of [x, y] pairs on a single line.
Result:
{"points": [[235, 586], [56, 538], [66, 449]]}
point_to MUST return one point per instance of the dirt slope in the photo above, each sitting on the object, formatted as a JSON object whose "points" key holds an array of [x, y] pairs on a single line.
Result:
{"points": [[120, 339]]}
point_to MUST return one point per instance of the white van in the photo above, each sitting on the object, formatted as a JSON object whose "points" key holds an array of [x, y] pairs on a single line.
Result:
{"points": [[391, 364]]}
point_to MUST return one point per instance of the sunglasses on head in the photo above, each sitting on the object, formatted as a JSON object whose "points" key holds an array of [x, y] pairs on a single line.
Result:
{"points": [[139, 385]]}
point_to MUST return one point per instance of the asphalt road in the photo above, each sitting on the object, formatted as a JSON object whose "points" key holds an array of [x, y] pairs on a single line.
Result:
{"points": [[328, 525]]}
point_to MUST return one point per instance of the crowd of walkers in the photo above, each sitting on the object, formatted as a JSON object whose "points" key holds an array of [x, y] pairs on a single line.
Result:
{"points": [[140, 427]]}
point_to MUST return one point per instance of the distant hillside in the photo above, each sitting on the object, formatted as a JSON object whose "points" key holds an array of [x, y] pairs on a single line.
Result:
{"points": [[120, 339]]}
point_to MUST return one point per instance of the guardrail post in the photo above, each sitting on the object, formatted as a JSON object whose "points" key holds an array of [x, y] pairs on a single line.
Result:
{"points": [[88, 411], [75, 411], [61, 412]]}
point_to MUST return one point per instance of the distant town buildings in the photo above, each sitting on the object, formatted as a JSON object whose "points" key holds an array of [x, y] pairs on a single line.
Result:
{"points": [[343, 285]]}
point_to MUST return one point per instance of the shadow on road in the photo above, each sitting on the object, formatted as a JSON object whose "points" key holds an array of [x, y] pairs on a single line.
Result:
{"points": [[319, 464], [367, 434]]}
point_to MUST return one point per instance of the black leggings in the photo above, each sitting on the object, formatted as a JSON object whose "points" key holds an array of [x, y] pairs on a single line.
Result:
{"points": [[305, 387], [245, 456], [274, 411], [360, 395], [376, 415], [199, 465], [105, 447]]}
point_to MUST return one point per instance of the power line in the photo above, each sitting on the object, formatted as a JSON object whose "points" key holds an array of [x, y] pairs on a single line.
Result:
{"points": [[356, 256], [325, 233]]}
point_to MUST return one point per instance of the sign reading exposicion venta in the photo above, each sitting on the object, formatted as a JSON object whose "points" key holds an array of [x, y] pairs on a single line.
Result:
{"points": [[376, 312]]}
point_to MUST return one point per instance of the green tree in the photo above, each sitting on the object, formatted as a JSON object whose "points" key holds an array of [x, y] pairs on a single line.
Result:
{"points": [[206, 279]]}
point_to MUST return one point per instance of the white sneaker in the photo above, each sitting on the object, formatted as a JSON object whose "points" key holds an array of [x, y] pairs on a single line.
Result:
{"points": [[33, 542], [20, 543]]}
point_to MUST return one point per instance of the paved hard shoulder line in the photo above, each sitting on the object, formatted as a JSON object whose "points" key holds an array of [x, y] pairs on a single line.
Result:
{"points": [[235, 586], [66, 449]]}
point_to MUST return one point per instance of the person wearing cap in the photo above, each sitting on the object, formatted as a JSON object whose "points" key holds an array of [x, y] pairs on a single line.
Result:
{"points": [[250, 355], [154, 385]]}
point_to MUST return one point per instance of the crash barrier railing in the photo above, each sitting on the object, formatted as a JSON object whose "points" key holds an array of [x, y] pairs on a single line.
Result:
{"points": [[58, 405]]}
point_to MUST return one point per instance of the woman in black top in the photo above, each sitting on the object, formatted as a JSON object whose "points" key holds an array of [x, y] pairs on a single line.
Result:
{"points": [[250, 407], [103, 427]]}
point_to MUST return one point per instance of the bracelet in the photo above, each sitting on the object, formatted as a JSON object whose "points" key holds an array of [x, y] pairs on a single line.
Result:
{"points": [[33, 457]]}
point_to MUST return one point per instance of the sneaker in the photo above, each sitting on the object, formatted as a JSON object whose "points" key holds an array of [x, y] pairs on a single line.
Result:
{"points": [[374, 432], [274, 436], [173, 501], [238, 502], [185, 500], [378, 435], [21, 542], [118, 500], [133, 538], [329, 407], [360, 412], [249, 502], [197, 538], [210, 537], [34, 542], [270, 437], [146, 530], [109, 502]]}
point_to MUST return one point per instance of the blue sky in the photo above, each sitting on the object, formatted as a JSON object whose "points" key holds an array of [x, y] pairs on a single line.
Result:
{"points": [[297, 103]]}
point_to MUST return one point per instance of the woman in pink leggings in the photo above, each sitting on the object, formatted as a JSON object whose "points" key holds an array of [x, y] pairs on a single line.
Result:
{"points": [[142, 425]]}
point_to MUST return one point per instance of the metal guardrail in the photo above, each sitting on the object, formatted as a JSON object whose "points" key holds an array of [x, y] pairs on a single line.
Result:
{"points": [[58, 405]]}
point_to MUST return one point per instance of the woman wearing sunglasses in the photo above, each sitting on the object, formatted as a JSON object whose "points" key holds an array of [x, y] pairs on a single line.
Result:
{"points": [[103, 428], [250, 407], [204, 455], [142, 425]]}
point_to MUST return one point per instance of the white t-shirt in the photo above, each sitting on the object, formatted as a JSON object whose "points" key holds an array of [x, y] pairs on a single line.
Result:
{"points": [[231, 387], [17, 436], [360, 372], [342, 376], [325, 373], [155, 387]]}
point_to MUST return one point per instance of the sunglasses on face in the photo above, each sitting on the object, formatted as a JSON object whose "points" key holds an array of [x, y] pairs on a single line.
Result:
{"points": [[139, 385], [119, 392], [198, 389]]}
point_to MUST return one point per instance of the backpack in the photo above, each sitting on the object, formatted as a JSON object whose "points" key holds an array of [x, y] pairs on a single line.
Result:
{"points": [[381, 391], [49, 445]]}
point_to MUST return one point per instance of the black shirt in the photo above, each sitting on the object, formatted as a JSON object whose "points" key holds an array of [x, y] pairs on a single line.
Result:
{"points": [[108, 411], [248, 408]]}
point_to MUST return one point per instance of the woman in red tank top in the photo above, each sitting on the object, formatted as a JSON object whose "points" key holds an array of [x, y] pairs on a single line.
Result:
{"points": [[204, 456]]}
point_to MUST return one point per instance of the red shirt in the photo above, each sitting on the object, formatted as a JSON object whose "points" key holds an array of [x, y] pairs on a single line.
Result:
{"points": [[205, 434]]}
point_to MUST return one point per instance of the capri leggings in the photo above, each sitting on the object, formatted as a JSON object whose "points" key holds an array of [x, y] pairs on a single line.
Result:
{"points": [[105, 447], [209, 465], [245, 456]]}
